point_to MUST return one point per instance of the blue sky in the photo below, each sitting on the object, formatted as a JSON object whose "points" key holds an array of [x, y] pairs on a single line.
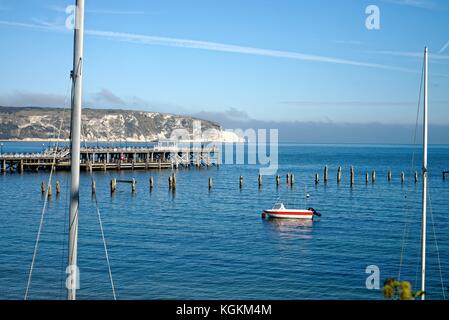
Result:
{"points": [[265, 60]]}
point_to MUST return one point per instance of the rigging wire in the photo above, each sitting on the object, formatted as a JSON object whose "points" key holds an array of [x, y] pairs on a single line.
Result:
{"points": [[44, 207], [97, 207], [407, 207], [436, 245]]}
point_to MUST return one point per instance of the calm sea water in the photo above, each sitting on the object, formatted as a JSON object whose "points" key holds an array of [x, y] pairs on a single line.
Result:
{"points": [[201, 244]]}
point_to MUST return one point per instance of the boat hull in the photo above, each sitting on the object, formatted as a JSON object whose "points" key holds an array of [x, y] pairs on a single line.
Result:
{"points": [[289, 214]]}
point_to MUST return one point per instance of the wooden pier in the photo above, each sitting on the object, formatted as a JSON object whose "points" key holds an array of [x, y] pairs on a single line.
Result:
{"points": [[113, 158]]}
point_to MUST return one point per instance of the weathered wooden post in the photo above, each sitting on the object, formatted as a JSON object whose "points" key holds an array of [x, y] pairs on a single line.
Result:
{"points": [[94, 187], [278, 180], [21, 166], [50, 193], [292, 179], [133, 185], [3, 166], [326, 173], [43, 187], [389, 175], [367, 177], [416, 176], [352, 175], [173, 181], [402, 177], [151, 183], [58, 187], [288, 178], [210, 183], [317, 178], [241, 182], [170, 182], [113, 185], [260, 180], [339, 175], [373, 176]]}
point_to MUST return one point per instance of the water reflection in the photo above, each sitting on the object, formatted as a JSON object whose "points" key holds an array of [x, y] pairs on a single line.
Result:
{"points": [[291, 228]]}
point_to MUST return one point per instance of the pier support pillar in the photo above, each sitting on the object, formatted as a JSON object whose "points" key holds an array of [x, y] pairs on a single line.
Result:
{"points": [[58, 187], [3, 165], [151, 183], [326, 173], [389, 176], [339, 175], [373, 176], [210, 183], [402, 177]]}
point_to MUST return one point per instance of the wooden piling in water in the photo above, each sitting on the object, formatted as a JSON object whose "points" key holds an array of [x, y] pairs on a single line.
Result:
{"points": [[317, 178], [133, 185], [402, 177], [326, 173], [58, 187], [259, 179], [373, 176], [113, 185], [170, 182], [151, 183], [50, 193], [352, 175], [287, 177], [43, 187], [389, 175], [339, 175], [94, 187], [292, 179], [241, 182], [416, 176], [278, 180], [173, 181], [367, 177], [210, 183]]}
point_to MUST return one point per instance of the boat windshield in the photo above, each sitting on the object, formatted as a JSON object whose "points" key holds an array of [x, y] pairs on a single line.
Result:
{"points": [[278, 206]]}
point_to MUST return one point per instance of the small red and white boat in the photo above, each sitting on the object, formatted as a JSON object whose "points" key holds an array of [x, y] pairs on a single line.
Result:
{"points": [[279, 211]]}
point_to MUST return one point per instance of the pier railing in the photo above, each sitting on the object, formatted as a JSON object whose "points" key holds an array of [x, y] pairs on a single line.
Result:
{"points": [[106, 158]]}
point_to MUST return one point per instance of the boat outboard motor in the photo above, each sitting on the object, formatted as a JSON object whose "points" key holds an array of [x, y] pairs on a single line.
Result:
{"points": [[315, 213]]}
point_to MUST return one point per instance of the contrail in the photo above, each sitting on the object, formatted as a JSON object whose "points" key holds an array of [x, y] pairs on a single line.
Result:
{"points": [[212, 46], [444, 47]]}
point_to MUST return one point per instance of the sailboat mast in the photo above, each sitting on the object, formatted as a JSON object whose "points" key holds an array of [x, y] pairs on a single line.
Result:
{"points": [[75, 133], [424, 188]]}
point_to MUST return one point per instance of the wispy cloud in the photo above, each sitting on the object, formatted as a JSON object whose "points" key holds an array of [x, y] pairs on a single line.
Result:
{"points": [[222, 47], [102, 11], [423, 4], [353, 103], [215, 46], [444, 47], [351, 42], [435, 56]]}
